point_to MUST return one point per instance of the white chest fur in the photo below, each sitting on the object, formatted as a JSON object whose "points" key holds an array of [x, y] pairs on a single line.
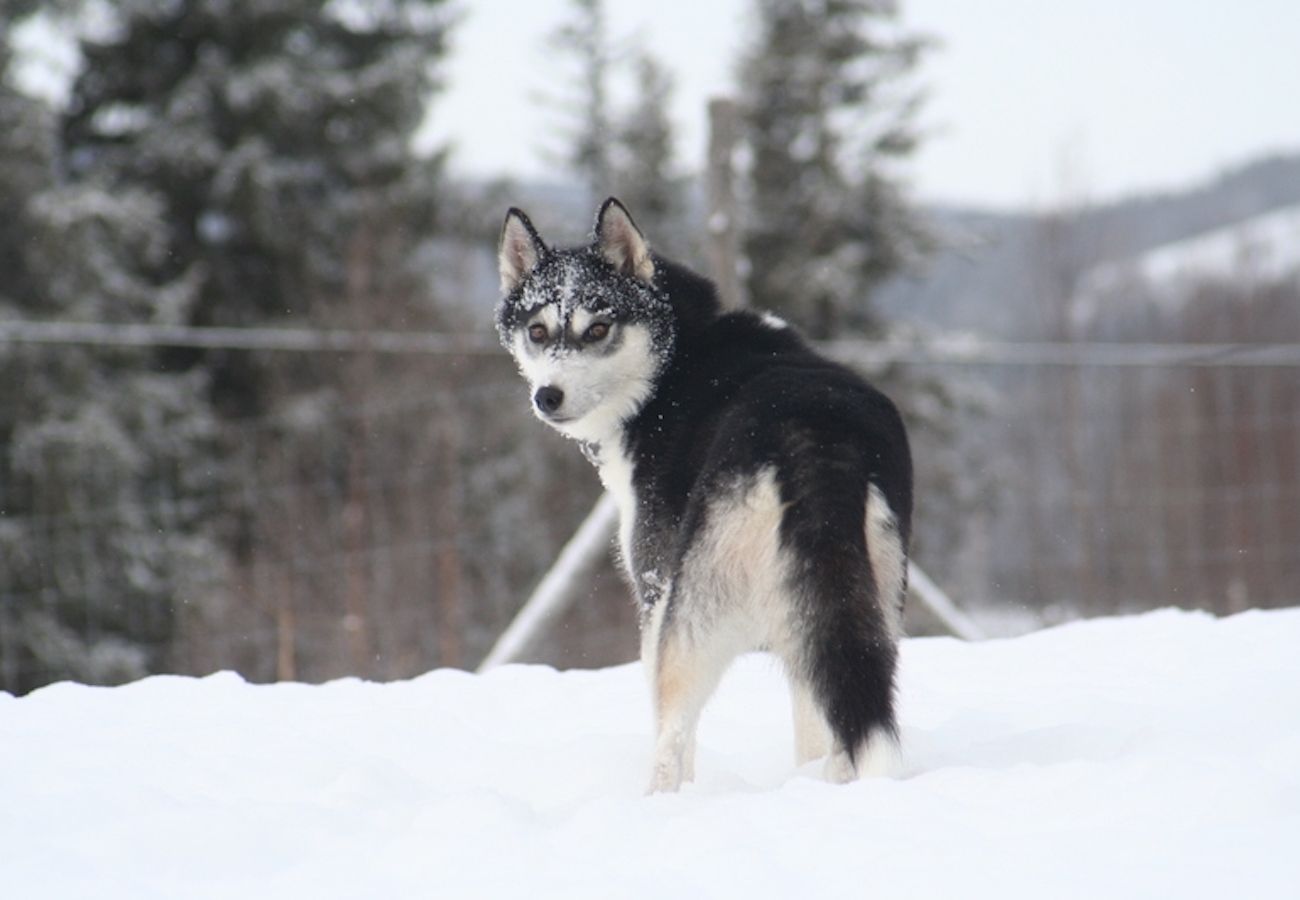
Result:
{"points": [[615, 469]]}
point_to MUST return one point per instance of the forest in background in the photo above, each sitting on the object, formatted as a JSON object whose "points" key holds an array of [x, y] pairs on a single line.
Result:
{"points": [[307, 514]]}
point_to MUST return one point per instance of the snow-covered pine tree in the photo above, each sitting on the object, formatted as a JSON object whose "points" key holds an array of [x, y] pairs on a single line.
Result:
{"points": [[278, 135], [625, 152], [589, 134], [827, 114], [97, 555], [645, 177], [232, 164], [26, 155]]}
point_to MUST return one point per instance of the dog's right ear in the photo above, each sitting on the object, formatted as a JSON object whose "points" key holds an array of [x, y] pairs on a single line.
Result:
{"points": [[621, 242], [519, 251]]}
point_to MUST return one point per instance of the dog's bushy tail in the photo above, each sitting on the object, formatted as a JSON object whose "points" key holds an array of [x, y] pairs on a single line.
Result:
{"points": [[849, 652]]}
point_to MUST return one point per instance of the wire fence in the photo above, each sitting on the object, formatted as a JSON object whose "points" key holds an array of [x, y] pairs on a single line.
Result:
{"points": [[398, 528], [1109, 490]]}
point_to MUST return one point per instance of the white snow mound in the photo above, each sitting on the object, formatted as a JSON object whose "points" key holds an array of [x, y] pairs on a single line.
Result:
{"points": [[1154, 756]]}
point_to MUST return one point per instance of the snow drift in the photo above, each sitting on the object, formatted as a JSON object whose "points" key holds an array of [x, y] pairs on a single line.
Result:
{"points": [[1140, 757]]}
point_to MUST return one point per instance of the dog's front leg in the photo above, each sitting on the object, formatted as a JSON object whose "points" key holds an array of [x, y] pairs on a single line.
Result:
{"points": [[683, 675], [680, 690]]}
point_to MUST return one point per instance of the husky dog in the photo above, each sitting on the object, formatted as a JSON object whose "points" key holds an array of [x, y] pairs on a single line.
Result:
{"points": [[764, 492]]}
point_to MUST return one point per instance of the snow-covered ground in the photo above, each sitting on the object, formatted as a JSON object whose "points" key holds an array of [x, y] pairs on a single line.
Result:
{"points": [[1154, 756]]}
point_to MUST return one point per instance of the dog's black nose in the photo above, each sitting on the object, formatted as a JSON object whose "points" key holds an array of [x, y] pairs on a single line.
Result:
{"points": [[548, 399]]}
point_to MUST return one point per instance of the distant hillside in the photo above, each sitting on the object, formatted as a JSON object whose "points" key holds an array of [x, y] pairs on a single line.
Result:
{"points": [[1247, 255], [1011, 275]]}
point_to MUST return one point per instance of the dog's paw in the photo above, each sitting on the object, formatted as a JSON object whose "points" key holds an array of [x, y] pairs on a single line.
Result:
{"points": [[665, 778]]}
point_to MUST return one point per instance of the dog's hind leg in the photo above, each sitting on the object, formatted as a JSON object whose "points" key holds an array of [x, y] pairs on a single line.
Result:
{"points": [[812, 736]]}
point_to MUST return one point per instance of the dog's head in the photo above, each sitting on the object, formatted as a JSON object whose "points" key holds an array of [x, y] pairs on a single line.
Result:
{"points": [[587, 327]]}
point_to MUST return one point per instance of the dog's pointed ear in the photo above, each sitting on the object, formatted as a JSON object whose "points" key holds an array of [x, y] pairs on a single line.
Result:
{"points": [[621, 243], [519, 251]]}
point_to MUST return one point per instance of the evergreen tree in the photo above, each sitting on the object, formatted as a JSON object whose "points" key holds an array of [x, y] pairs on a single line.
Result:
{"points": [[646, 181], [217, 163], [26, 161], [584, 38], [825, 122], [623, 152], [277, 134], [96, 554]]}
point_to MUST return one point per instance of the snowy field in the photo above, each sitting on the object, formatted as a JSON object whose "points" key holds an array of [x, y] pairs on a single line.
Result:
{"points": [[1155, 756]]}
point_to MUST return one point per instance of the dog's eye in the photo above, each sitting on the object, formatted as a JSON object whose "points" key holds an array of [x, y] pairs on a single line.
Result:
{"points": [[537, 333], [596, 332]]}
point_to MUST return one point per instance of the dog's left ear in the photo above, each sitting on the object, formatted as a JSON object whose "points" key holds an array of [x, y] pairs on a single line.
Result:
{"points": [[621, 243], [519, 251]]}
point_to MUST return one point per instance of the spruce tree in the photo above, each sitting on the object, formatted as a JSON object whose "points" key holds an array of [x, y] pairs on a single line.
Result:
{"points": [[278, 135], [646, 180], [827, 115], [97, 553], [584, 39], [216, 164], [625, 152]]}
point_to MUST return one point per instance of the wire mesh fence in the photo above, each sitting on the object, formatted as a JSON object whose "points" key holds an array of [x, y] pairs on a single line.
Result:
{"points": [[396, 526], [1103, 489]]}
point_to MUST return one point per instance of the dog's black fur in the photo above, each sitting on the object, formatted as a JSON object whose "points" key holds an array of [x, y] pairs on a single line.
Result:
{"points": [[740, 395]]}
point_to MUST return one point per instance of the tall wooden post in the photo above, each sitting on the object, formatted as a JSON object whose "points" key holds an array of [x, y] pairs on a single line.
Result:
{"points": [[722, 216]]}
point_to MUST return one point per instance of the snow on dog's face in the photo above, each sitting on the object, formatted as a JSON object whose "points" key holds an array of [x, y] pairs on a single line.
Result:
{"points": [[587, 327]]}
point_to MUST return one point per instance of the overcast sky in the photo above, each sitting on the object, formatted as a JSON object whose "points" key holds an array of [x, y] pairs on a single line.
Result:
{"points": [[1030, 102]]}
